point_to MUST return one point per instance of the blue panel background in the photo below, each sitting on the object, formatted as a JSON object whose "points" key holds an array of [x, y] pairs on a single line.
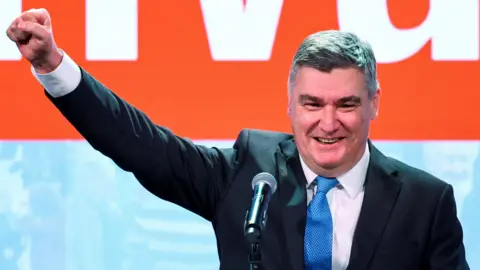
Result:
{"points": [[64, 206]]}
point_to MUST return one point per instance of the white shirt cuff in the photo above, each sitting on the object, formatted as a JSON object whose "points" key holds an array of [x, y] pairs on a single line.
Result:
{"points": [[63, 80]]}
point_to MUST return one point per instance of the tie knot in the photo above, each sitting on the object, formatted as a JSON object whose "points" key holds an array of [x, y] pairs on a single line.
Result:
{"points": [[325, 184]]}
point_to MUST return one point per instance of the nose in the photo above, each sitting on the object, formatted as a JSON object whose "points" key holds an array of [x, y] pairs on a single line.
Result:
{"points": [[328, 120]]}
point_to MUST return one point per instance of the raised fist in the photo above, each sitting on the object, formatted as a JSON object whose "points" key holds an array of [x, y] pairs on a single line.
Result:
{"points": [[32, 32]]}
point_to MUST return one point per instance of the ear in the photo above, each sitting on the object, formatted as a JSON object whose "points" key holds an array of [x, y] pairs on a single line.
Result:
{"points": [[289, 107], [375, 105]]}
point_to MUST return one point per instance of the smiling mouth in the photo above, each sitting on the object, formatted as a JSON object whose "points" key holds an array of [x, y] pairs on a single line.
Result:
{"points": [[328, 140]]}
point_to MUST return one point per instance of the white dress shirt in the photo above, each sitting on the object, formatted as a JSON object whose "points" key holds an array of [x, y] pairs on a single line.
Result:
{"points": [[345, 199], [63, 80]]}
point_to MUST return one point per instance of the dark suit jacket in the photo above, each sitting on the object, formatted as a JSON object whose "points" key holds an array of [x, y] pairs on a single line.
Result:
{"points": [[408, 218]]}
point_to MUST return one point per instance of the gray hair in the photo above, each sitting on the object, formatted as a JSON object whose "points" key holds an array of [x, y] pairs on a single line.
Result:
{"points": [[331, 49]]}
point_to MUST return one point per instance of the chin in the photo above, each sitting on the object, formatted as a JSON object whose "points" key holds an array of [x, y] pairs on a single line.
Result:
{"points": [[328, 163], [334, 152], [329, 158]]}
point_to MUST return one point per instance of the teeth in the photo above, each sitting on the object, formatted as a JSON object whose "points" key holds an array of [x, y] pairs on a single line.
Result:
{"points": [[327, 141]]}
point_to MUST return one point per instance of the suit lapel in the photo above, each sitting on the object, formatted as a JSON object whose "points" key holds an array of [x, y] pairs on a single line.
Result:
{"points": [[292, 191], [382, 187]]}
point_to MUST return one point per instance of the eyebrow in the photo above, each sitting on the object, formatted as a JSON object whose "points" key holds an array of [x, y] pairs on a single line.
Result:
{"points": [[350, 99], [304, 98], [347, 99]]}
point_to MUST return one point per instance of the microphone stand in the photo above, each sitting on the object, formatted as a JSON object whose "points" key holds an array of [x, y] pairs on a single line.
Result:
{"points": [[254, 258], [253, 235]]}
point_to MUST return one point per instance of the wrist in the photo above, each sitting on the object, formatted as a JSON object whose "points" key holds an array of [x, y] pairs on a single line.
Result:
{"points": [[49, 63]]}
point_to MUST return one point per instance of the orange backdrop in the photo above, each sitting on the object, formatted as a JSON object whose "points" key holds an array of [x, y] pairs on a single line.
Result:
{"points": [[178, 84]]}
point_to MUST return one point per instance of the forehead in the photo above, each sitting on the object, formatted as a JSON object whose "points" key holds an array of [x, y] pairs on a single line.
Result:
{"points": [[339, 82]]}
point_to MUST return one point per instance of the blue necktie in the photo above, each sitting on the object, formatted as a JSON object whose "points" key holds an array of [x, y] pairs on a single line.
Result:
{"points": [[319, 229]]}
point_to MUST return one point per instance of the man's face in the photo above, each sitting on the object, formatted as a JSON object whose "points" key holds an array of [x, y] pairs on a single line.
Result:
{"points": [[330, 114]]}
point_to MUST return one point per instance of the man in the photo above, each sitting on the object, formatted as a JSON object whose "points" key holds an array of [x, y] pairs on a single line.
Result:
{"points": [[339, 203]]}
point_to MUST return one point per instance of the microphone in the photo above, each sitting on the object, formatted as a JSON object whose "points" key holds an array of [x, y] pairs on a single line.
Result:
{"points": [[263, 185]]}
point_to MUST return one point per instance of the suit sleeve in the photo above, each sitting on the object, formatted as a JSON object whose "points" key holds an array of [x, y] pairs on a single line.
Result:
{"points": [[172, 168], [446, 248]]}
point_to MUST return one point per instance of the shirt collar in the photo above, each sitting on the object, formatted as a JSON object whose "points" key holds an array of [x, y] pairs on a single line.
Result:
{"points": [[352, 181]]}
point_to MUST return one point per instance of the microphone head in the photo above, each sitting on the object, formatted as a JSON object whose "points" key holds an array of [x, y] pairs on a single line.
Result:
{"points": [[266, 178]]}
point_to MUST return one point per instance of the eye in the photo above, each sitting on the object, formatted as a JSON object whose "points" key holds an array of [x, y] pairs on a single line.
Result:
{"points": [[312, 104], [347, 106]]}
